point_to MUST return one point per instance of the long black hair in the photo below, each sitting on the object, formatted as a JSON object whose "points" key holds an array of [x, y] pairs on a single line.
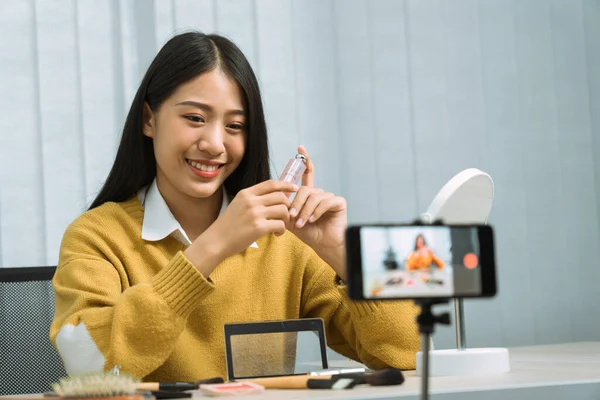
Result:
{"points": [[417, 241], [180, 60]]}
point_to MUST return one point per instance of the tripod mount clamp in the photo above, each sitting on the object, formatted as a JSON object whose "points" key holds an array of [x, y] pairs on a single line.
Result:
{"points": [[427, 319]]}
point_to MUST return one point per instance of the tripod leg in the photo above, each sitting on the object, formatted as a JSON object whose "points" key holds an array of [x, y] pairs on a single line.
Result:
{"points": [[425, 372]]}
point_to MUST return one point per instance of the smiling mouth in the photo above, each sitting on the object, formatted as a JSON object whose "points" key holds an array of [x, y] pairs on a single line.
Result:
{"points": [[204, 167]]}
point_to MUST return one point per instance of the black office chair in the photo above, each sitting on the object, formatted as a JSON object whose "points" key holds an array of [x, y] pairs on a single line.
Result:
{"points": [[28, 361]]}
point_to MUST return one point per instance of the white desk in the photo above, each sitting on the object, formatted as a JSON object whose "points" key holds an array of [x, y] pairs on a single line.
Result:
{"points": [[563, 371]]}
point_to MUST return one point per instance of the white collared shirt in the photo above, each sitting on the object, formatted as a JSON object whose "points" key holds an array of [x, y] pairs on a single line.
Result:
{"points": [[159, 221]]}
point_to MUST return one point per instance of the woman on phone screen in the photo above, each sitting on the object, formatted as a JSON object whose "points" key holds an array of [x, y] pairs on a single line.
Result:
{"points": [[422, 257]]}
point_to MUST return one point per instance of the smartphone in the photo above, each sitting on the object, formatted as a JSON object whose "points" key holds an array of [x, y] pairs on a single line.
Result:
{"points": [[403, 261]]}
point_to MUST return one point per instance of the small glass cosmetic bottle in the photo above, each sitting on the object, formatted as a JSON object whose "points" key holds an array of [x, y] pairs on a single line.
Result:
{"points": [[294, 169]]}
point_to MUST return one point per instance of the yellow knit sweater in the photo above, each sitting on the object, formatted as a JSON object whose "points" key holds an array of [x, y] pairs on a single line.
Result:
{"points": [[150, 311]]}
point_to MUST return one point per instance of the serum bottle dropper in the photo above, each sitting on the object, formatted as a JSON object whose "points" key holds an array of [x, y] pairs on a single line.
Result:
{"points": [[294, 169]]}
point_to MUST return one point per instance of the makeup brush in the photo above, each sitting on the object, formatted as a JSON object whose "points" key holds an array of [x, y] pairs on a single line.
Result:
{"points": [[176, 386], [287, 382], [385, 377]]}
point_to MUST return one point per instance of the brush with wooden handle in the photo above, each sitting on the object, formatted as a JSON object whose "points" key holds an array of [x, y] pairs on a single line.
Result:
{"points": [[384, 377], [176, 386], [96, 386], [108, 386], [287, 382]]}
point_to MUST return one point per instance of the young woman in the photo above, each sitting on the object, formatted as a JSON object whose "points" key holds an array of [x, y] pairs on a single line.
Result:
{"points": [[422, 257], [189, 233]]}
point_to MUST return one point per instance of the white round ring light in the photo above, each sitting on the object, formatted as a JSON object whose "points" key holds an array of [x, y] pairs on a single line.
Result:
{"points": [[466, 199]]}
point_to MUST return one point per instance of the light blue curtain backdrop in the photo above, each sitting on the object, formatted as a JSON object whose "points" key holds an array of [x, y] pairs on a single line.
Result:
{"points": [[391, 97]]}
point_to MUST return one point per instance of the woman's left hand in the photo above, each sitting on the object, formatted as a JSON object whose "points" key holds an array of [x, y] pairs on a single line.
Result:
{"points": [[319, 219]]}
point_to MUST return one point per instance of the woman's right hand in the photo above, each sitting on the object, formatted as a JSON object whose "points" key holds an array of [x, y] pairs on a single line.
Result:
{"points": [[253, 213]]}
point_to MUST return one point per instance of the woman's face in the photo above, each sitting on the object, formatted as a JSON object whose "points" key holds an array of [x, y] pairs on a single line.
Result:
{"points": [[420, 242], [199, 135]]}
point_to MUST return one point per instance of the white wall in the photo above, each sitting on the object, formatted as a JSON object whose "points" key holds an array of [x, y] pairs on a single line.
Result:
{"points": [[391, 97]]}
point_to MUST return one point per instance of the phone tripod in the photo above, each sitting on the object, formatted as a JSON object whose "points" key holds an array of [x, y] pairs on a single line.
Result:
{"points": [[427, 321]]}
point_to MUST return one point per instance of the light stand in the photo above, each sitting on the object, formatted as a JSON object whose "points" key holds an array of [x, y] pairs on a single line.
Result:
{"points": [[427, 321], [464, 199], [459, 323]]}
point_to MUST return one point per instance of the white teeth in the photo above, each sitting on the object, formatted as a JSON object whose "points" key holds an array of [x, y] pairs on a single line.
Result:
{"points": [[203, 167]]}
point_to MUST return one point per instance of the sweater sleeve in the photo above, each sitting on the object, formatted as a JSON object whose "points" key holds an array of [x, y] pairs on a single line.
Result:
{"points": [[100, 320], [379, 334], [437, 261]]}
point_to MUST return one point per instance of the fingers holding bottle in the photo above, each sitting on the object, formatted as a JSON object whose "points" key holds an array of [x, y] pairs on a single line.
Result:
{"points": [[305, 203], [254, 212]]}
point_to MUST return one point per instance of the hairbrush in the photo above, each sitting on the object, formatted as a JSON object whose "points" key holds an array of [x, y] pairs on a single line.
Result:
{"points": [[105, 385]]}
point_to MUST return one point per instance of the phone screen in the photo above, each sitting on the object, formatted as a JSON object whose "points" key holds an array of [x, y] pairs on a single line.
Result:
{"points": [[423, 261]]}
